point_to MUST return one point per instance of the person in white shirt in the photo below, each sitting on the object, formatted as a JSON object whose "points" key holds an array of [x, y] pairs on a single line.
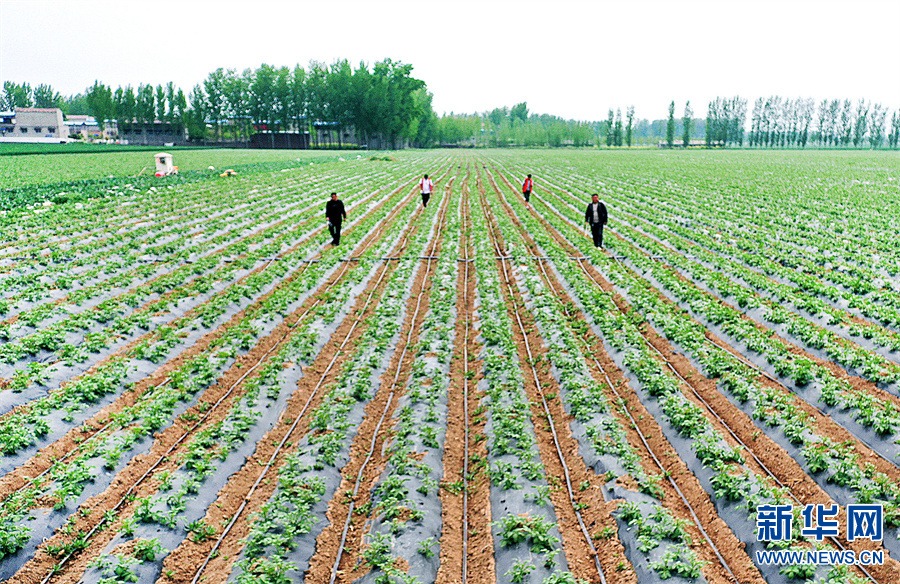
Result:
{"points": [[425, 187], [595, 216]]}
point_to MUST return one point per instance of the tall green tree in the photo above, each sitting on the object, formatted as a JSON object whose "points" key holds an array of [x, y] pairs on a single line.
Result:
{"points": [[497, 115], [629, 129], [617, 131], [171, 94], [687, 125], [519, 112], [340, 96], [610, 128], [99, 99], [45, 97], [145, 108], [860, 127], [670, 126], [161, 103], [317, 94], [181, 111], [846, 123], [215, 105], [75, 105], [894, 135], [16, 95], [124, 107], [263, 99], [196, 115], [877, 118], [298, 100], [236, 95]]}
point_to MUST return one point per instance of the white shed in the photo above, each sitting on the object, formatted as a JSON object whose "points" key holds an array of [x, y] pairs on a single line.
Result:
{"points": [[164, 165]]}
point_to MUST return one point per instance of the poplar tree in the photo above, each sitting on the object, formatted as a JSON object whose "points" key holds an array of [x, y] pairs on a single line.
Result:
{"points": [[894, 136], [45, 97], [618, 130], [629, 129], [610, 136], [687, 124], [876, 125], [860, 123], [16, 95], [670, 126], [99, 99]]}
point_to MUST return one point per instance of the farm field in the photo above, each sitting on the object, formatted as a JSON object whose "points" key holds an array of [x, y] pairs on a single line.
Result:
{"points": [[196, 387], [19, 168]]}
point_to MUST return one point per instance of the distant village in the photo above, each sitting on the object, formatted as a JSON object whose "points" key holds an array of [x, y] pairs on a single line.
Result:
{"points": [[48, 125]]}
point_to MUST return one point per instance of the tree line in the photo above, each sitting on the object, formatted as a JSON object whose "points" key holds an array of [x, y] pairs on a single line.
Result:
{"points": [[384, 102], [512, 126], [777, 122], [389, 106]]}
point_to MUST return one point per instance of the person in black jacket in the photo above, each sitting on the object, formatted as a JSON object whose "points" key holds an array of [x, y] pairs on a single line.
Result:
{"points": [[595, 216], [334, 211]]}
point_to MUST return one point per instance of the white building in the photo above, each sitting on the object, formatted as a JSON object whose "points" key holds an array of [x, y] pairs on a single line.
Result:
{"points": [[31, 124], [40, 122]]}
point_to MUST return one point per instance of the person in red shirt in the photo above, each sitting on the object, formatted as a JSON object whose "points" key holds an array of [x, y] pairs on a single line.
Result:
{"points": [[527, 186], [425, 187]]}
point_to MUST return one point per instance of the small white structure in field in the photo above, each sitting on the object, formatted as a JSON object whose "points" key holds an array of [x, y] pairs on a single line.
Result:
{"points": [[164, 165]]}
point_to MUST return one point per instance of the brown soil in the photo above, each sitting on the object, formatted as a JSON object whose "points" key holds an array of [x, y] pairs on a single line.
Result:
{"points": [[736, 424], [595, 513], [725, 540], [479, 545], [52, 452], [163, 442], [371, 438]]}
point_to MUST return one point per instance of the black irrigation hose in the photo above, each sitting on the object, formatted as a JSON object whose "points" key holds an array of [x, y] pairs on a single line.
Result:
{"points": [[290, 431], [834, 541], [741, 442], [186, 434], [359, 475], [337, 561], [641, 434], [465, 521], [80, 446], [571, 492], [99, 431], [160, 384], [797, 395], [665, 473]]}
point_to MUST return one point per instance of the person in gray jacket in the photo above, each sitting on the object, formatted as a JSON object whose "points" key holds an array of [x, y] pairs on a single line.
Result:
{"points": [[595, 216]]}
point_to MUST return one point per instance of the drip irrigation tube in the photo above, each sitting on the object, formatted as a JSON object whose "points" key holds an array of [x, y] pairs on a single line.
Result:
{"points": [[637, 429], [409, 334], [749, 450], [165, 456], [656, 459], [465, 521], [214, 551], [565, 467], [834, 541], [797, 395]]}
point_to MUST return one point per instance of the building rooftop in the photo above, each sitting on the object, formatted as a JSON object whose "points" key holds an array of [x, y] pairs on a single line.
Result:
{"points": [[45, 110]]}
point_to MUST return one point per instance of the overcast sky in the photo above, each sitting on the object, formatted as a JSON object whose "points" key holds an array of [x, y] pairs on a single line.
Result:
{"points": [[571, 58]]}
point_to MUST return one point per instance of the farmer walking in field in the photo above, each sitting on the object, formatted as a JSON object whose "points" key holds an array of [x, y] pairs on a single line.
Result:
{"points": [[595, 216], [425, 187], [527, 187], [335, 213]]}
